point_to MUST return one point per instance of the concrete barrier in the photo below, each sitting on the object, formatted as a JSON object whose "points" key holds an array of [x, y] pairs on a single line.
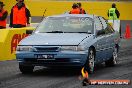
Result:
{"points": [[9, 39]]}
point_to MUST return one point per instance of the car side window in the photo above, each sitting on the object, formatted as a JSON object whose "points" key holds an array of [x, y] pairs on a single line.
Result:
{"points": [[106, 26], [104, 22], [99, 27]]}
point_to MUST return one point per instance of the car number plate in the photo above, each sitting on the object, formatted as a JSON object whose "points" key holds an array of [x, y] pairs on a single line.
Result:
{"points": [[44, 57]]}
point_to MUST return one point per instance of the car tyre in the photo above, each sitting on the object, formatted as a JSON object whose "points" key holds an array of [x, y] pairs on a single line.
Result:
{"points": [[90, 64], [26, 69], [113, 60]]}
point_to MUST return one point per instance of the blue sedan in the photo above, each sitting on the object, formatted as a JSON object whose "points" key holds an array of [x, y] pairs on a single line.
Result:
{"points": [[69, 40]]}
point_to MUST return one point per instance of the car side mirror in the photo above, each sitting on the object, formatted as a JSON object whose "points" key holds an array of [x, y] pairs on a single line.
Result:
{"points": [[100, 32]]}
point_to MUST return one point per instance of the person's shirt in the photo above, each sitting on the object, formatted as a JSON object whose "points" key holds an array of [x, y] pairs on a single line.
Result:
{"points": [[75, 11], [5, 14], [3, 18], [116, 11], [82, 11], [28, 15]]}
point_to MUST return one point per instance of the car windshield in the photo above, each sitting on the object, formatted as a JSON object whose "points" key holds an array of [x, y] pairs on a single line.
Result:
{"points": [[66, 25]]}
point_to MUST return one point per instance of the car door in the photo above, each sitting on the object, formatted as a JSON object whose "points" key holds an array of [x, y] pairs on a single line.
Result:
{"points": [[101, 41], [108, 37]]}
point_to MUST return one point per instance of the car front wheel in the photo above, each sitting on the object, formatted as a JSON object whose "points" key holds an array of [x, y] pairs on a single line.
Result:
{"points": [[90, 64]]}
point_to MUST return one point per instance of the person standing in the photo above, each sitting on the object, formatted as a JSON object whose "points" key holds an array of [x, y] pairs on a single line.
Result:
{"points": [[3, 16], [75, 9], [20, 15], [82, 11], [114, 15]]}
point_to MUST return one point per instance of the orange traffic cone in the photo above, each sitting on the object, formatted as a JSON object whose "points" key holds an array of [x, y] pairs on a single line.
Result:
{"points": [[127, 32]]}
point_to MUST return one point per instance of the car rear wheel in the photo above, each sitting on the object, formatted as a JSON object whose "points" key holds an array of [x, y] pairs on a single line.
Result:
{"points": [[113, 60], [90, 61], [26, 69]]}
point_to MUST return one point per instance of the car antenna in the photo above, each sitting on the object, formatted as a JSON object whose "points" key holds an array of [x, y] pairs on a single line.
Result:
{"points": [[43, 14], [41, 20]]}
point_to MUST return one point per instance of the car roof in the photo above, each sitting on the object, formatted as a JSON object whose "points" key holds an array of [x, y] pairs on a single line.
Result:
{"points": [[74, 15]]}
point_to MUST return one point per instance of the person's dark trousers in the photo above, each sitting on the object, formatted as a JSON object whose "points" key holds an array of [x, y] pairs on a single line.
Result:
{"points": [[1, 27], [18, 26]]}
